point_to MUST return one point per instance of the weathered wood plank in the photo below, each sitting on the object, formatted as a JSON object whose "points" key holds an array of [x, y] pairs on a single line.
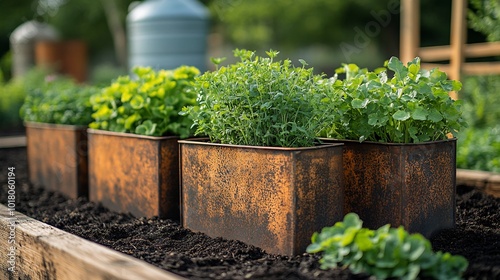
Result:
{"points": [[410, 30], [45, 252], [481, 68], [469, 68], [487, 182], [457, 40], [436, 53]]}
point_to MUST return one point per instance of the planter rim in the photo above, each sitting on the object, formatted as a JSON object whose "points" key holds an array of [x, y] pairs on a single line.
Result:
{"points": [[206, 142], [54, 126], [130, 135], [386, 143]]}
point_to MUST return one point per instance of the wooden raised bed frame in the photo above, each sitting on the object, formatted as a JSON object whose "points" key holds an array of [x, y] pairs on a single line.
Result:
{"points": [[45, 252]]}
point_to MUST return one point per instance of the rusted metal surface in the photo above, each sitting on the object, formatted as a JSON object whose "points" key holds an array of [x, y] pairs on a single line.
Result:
{"points": [[273, 198], [401, 184], [57, 158], [134, 173]]}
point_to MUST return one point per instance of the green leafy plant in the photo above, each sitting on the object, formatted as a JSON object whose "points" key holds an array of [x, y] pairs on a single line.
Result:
{"points": [[12, 95], [60, 101], [411, 107], [259, 102], [384, 253], [148, 105]]}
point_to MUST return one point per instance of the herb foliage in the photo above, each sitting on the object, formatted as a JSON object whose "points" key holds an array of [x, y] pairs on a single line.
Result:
{"points": [[384, 253], [59, 101], [148, 105], [411, 107], [259, 101]]}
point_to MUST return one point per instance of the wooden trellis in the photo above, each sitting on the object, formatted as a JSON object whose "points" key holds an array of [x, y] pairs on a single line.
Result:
{"points": [[456, 52]]}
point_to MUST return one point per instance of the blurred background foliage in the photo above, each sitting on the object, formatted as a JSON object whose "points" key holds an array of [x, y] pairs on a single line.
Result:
{"points": [[484, 17], [325, 33], [73, 19], [310, 29], [479, 143]]}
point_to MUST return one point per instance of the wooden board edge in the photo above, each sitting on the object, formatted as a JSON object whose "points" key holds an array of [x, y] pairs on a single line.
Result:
{"points": [[488, 182], [42, 251]]}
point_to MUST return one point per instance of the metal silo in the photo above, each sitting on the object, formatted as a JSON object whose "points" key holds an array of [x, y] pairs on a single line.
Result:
{"points": [[165, 34], [22, 42]]}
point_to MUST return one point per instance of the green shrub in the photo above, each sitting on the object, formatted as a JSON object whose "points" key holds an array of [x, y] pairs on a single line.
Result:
{"points": [[479, 149], [11, 99], [411, 107], [384, 253], [481, 96], [259, 102], [149, 105], [6, 66], [478, 145], [13, 93]]}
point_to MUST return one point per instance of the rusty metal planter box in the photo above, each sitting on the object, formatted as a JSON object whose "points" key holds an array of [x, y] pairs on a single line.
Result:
{"points": [[273, 198], [57, 158], [134, 173], [401, 184]]}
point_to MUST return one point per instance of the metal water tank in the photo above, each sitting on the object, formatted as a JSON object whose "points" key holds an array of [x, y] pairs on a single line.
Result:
{"points": [[165, 34], [22, 44]]}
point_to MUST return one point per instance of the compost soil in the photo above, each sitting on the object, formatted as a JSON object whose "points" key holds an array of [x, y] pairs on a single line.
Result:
{"points": [[164, 243]]}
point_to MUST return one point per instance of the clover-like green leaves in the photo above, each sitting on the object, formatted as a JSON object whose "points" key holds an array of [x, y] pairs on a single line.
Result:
{"points": [[148, 105], [384, 253]]}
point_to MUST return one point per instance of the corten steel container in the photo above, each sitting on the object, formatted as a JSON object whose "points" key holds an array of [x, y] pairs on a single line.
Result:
{"points": [[134, 173], [412, 185], [273, 198], [57, 158]]}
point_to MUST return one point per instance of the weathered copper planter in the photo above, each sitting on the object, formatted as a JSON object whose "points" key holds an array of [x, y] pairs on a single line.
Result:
{"points": [[134, 173], [57, 158], [273, 198], [401, 184]]}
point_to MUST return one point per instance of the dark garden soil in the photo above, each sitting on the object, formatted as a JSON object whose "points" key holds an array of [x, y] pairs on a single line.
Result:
{"points": [[13, 131], [166, 244]]}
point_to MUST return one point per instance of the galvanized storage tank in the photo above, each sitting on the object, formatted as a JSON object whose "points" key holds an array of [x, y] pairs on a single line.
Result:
{"points": [[165, 34], [22, 44]]}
